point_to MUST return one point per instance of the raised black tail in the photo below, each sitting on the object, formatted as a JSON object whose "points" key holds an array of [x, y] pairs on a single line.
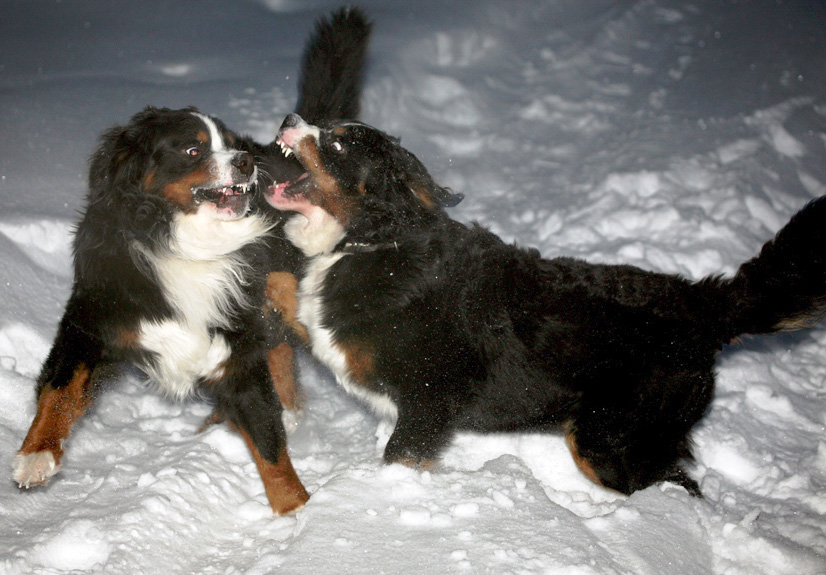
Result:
{"points": [[784, 287], [333, 67]]}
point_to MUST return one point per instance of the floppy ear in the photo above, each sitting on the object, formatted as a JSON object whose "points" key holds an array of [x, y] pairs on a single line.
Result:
{"points": [[121, 160], [425, 190], [117, 172]]}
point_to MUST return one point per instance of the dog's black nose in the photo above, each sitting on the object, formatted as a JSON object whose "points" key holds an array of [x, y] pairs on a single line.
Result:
{"points": [[244, 163], [291, 121]]}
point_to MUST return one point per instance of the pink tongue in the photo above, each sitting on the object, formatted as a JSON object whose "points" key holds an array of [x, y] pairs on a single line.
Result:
{"points": [[231, 201]]}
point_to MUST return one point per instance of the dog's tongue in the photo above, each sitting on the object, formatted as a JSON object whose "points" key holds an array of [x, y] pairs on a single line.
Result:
{"points": [[233, 202], [279, 197]]}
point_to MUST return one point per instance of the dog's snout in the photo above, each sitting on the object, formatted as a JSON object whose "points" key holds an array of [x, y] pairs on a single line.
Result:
{"points": [[244, 163], [291, 121]]}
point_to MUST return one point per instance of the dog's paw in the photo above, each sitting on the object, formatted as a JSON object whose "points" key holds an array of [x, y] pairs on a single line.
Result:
{"points": [[34, 468]]}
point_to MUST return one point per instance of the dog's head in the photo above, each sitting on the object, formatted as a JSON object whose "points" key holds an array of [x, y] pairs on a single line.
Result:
{"points": [[351, 168], [178, 160]]}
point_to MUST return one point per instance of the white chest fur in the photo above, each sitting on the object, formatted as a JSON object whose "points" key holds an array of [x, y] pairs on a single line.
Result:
{"points": [[202, 277], [317, 233]]}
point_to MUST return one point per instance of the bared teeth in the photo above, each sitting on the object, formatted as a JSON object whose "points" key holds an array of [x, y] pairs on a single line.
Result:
{"points": [[285, 149]]}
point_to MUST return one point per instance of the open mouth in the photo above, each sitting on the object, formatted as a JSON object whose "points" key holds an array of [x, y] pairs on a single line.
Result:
{"points": [[234, 198], [292, 188]]}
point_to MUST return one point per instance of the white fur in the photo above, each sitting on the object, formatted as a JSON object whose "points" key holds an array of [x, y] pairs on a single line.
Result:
{"points": [[312, 313], [221, 153], [202, 278], [34, 468], [221, 169], [314, 232]]}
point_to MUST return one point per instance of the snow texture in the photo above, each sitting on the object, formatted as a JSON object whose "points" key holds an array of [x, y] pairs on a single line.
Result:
{"points": [[677, 136]]}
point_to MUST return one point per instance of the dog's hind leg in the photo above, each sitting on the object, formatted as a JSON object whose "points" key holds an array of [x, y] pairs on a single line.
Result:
{"points": [[65, 390], [632, 440]]}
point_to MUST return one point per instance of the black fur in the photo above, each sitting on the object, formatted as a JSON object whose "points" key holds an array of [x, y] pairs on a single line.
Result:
{"points": [[463, 331], [330, 83], [144, 177]]}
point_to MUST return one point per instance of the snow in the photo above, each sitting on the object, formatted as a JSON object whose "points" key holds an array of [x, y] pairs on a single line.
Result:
{"points": [[673, 135]]}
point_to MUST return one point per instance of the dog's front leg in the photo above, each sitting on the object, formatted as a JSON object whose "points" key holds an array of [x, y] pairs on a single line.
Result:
{"points": [[65, 390], [422, 430], [246, 399]]}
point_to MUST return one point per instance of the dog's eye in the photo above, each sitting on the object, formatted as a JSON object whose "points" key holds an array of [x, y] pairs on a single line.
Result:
{"points": [[337, 147], [193, 151]]}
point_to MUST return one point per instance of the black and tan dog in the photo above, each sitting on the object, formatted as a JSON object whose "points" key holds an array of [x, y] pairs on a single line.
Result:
{"points": [[446, 327], [170, 271]]}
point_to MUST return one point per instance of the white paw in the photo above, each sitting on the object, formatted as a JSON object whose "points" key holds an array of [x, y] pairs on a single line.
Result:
{"points": [[290, 419], [34, 468]]}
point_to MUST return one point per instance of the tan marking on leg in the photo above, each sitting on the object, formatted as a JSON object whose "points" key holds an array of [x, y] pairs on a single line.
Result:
{"points": [[280, 360], [360, 361], [57, 411], [213, 418], [284, 490], [581, 462], [423, 465], [281, 293]]}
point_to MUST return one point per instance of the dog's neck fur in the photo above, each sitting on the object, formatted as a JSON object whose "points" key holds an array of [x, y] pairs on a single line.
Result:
{"points": [[315, 233], [203, 278]]}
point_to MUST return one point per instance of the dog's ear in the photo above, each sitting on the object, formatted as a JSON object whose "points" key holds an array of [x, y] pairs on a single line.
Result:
{"points": [[121, 161], [418, 180]]}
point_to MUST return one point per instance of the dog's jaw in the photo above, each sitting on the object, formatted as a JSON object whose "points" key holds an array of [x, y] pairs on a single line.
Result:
{"points": [[227, 196]]}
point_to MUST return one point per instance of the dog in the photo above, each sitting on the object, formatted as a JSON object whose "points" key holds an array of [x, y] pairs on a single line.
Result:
{"points": [[446, 327], [171, 263]]}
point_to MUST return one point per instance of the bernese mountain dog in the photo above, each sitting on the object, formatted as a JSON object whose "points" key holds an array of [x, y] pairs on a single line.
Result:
{"points": [[446, 327], [171, 264]]}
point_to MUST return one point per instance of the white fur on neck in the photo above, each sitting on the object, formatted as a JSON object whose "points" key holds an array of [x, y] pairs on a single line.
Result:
{"points": [[314, 232], [202, 278]]}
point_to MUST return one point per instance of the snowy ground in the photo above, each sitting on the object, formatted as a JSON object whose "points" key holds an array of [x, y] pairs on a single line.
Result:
{"points": [[677, 136]]}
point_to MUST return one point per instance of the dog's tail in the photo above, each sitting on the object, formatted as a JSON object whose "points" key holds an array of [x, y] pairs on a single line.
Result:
{"points": [[784, 287], [333, 67]]}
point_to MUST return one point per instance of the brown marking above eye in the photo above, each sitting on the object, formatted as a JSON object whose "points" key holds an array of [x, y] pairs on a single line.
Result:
{"points": [[230, 137], [202, 137]]}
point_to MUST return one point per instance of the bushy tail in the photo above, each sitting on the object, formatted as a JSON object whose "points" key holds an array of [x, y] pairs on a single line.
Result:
{"points": [[333, 67], [784, 287]]}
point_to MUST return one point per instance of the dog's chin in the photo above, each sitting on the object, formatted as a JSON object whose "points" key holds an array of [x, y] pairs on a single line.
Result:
{"points": [[227, 204], [227, 208]]}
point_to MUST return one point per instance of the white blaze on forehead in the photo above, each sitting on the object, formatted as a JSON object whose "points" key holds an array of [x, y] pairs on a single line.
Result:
{"points": [[222, 155], [293, 134], [216, 140]]}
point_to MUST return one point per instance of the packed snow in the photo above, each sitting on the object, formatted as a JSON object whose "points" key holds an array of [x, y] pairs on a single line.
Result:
{"points": [[674, 135]]}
